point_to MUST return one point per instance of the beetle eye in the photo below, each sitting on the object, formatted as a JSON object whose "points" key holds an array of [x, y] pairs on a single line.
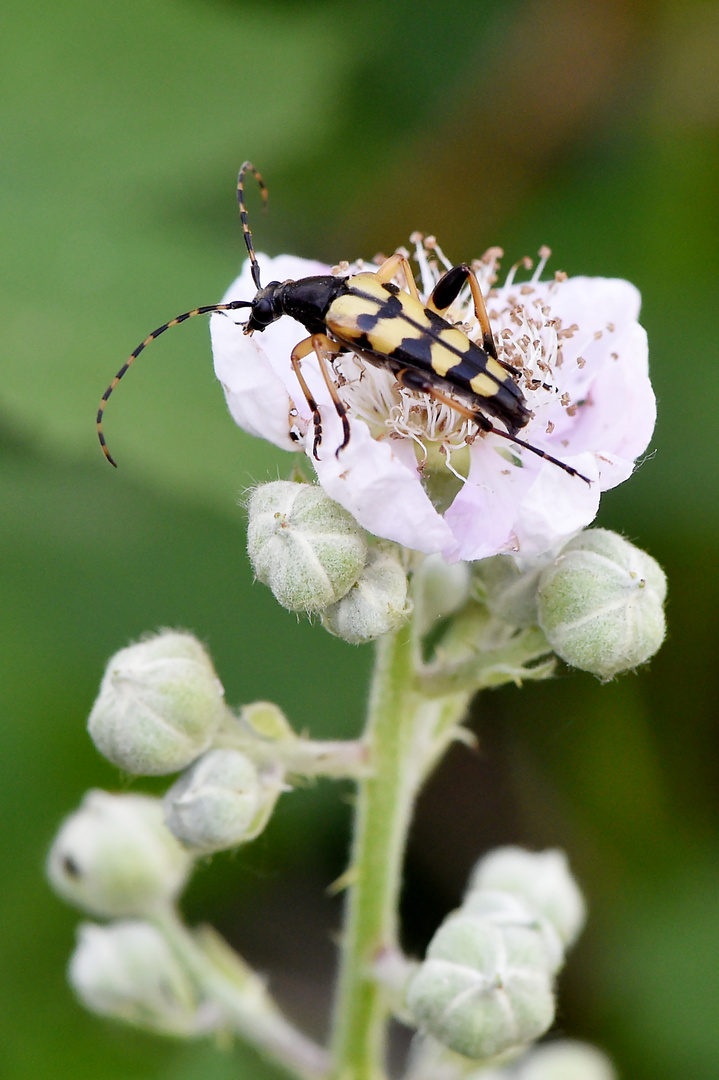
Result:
{"points": [[263, 313]]}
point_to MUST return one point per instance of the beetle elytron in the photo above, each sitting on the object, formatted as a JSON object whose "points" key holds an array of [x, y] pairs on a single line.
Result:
{"points": [[368, 314]]}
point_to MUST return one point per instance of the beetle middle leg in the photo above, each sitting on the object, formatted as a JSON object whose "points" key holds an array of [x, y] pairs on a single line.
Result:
{"points": [[415, 380], [324, 349]]}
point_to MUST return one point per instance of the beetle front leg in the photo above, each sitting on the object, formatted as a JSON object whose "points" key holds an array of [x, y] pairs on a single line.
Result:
{"points": [[302, 349], [324, 349]]}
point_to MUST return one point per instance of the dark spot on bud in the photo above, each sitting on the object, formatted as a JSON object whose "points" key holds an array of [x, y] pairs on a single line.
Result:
{"points": [[70, 867]]}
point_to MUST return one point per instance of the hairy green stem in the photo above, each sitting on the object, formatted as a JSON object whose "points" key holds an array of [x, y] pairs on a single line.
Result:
{"points": [[384, 802], [402, 739]]}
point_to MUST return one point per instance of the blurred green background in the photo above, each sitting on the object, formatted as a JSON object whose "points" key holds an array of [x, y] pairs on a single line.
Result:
{"points": [[592, 126]]}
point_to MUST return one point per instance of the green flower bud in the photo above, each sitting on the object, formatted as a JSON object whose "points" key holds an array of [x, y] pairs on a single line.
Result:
{"points": [[440, 589], [483, 988], [128, 972], [267, 721], [159, 706], [509, 592], [601, 604], [303, 545], [115, 857], [565, 1060], [221, 801], [377, 602], [542, 878], [506, 910]]}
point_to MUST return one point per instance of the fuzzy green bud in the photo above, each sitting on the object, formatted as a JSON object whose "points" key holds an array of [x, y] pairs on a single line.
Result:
{"points": [[601, 604], [220, 801], [483, 988], [506, 910], [267, 722], [440, 588], [115, 857], [127, 971], [376, 604], [508, 591], [565, 1060], [303, 545], [541, 878], [159, 706]]}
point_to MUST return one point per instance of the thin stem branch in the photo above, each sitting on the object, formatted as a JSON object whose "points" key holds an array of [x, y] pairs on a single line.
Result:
{"points": [[339, 759], [243, 998]]}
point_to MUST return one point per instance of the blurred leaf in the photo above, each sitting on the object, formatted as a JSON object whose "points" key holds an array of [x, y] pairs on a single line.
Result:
{"points": [[659, 974], [106, 122]]}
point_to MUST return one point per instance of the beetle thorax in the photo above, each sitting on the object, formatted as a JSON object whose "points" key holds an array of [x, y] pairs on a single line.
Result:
{"points": [[307, 300]]}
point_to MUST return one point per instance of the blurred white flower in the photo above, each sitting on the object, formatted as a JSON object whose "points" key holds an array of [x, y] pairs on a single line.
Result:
{"points": [[415, 471]]}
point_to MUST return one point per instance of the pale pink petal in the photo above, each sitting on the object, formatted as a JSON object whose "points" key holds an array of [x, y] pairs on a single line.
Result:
{"points": [[373, 482], [556, 506], [604, 371], [255, 372], [593, 303], [618, 420], [523, 510], [257, 398], [483, 514]]}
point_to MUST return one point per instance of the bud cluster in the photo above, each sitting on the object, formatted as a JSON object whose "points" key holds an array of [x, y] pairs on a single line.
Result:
{"points": [[599, 602], [128, 857], [487, 983], [314, 557], [161, 708]]}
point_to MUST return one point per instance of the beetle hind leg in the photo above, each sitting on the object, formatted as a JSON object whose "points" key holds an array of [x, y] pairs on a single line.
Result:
{"points": [[414, 380], [391, 266]]}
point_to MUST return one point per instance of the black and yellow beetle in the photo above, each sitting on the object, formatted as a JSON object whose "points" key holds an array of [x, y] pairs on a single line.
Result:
{"points": [[368, 314]]}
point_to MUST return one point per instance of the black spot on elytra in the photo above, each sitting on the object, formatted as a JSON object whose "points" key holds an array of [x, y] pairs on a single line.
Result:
{"points": [[415, 351], [368, 320], [465, 371], [362, 342]]}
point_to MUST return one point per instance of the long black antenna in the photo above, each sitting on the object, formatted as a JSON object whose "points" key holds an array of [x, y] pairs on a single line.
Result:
{"points": [[535, 450], [249, 167], [232, 306]]}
